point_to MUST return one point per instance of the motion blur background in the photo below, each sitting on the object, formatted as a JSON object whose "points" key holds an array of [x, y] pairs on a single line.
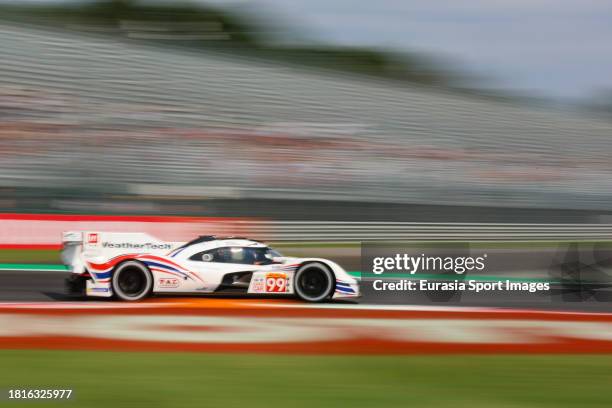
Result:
{"points": [[246, 109], [297, 120]]}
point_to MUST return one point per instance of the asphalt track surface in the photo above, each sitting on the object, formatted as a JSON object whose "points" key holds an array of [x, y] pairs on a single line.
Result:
{"points": [[34, 286]]}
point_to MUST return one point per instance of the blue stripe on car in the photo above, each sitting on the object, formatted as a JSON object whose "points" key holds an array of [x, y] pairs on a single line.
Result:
{"points": [[344, 289], [162, 266], [177, 252]]}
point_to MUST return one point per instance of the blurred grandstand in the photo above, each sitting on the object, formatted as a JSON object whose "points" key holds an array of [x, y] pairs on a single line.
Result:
{"points": [[99, 124]]}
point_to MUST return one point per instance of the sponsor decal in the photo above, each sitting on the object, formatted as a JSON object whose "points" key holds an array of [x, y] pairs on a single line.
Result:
{"points": [[259, 285], [168, 283], [92, 239], [98, 289], [276, 283], [134, 245]]}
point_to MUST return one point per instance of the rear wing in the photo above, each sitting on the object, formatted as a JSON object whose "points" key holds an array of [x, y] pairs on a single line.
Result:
{"points": [[79, 247]]}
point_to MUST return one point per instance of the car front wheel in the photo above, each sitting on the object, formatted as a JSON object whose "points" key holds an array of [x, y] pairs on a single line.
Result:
{"points": [[314, 282]]}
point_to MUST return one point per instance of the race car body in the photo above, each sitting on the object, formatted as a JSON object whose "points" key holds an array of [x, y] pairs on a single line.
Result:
{"points": [[132, 266]]}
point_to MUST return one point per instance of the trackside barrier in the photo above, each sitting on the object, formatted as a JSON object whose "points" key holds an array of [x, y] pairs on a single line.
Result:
{"points": [[44, 230], [372, 231]]}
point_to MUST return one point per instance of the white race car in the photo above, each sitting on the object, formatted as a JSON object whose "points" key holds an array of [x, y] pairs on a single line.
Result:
{"points": [[132, 266]]}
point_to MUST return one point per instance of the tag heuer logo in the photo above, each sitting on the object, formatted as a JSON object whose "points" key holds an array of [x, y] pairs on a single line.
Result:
{"points": [[168, 283]]}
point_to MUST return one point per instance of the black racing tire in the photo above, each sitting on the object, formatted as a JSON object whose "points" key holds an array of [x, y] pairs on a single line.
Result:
{"points": [[314, 282], [132, 281], [75, 285]]}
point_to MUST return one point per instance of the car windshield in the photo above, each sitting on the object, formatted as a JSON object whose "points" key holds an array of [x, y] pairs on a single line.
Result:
{"points": [[245, 255]]}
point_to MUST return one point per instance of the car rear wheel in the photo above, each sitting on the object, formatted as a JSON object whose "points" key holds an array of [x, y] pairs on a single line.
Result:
{"points": [[132, 281], [314, 282]]}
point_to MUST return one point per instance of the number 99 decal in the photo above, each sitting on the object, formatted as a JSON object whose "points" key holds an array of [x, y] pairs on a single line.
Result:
{"points": [[276, 283]]}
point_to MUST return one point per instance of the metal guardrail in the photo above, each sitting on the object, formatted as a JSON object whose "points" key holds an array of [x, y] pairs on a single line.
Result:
{"points": [[307, 231]]}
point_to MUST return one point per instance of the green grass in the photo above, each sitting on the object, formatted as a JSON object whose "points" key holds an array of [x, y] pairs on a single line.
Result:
{"points": [[109, 379], [29, 256]]}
